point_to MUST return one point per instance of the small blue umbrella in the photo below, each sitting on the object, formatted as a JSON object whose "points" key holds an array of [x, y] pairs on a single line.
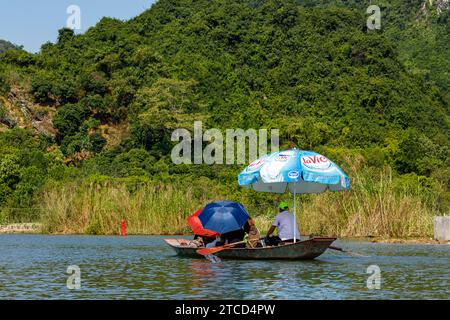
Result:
{"points": [[223, 216]]}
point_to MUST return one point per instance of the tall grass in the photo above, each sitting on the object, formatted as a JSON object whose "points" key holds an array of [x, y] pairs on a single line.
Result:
{"points": [[99, 209], [373, 207], [377, 205]]}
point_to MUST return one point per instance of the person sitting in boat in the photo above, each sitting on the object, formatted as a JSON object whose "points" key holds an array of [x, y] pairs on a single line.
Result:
{"points": [[239, 235], [284, 221], [232, 237], [253, 235], [203, 241]]}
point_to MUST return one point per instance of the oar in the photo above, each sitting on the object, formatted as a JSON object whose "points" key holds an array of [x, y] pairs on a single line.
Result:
{"points": [[345, 251], [206, 251]]}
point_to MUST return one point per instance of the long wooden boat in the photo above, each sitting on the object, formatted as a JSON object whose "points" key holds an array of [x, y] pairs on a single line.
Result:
{"points": [[302, 250]]}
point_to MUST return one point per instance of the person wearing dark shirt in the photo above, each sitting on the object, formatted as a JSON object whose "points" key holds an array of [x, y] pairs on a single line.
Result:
{"points": [[238, 235]]}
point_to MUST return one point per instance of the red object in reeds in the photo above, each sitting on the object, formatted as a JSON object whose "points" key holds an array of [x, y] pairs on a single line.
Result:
{"points": [[197, 226], [123, 226]]}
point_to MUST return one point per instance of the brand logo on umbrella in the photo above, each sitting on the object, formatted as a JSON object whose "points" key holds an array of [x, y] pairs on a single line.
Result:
{"points": [[293, 174], [316, 162], [282, 157], [255, 165]]}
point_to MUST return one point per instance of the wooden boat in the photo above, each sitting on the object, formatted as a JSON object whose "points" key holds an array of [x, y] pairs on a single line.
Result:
{"points": [[301, 250]]}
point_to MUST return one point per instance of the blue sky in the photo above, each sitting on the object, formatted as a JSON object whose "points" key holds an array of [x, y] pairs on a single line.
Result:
{"points": [[32, 23]]}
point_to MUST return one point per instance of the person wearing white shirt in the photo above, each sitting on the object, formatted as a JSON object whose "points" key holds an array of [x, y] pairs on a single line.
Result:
{"points": [[284, 222]]}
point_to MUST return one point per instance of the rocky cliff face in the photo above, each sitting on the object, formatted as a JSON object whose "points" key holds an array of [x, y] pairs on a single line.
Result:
{"points": [[18, 110], [6, 45]]}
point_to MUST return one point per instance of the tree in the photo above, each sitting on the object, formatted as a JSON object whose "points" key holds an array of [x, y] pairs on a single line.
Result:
{"points": [[158, 111], [69, 118], [65, 35]]}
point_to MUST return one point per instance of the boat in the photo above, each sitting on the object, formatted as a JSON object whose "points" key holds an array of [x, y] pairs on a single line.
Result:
{"points": [[308, 249]]}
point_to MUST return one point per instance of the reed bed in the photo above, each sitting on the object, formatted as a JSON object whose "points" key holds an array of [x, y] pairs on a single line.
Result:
{"points": [[97, 209], [368, 211], [373, 207]]}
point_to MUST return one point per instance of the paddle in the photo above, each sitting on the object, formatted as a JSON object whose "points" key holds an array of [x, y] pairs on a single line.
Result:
{"points": [[206, 251], [345, 251]]}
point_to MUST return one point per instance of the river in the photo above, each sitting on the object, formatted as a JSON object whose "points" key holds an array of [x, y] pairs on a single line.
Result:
{"points": [[35, 267]]}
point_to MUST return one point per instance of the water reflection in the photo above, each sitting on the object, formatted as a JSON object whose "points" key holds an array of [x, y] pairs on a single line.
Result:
{"points": [[34, 267]]}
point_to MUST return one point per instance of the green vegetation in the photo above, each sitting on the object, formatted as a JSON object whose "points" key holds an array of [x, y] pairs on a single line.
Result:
{"points": [[379, 205], [374, 101]]}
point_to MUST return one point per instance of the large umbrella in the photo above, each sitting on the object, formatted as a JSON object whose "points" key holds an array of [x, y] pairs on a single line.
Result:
{"points": [[296, 171], [223, 216], [197, 226]]}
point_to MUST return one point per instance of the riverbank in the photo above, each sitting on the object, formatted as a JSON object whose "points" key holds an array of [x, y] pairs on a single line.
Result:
{"points": [[23, 228], [411, 241], [36, 228], [407, 241]]}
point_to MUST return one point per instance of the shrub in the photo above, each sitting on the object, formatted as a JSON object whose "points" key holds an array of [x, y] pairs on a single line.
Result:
{"points": [[69, 118]]}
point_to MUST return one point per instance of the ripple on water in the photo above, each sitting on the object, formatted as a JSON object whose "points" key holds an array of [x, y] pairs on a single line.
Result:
{"points": [[34, 267]]}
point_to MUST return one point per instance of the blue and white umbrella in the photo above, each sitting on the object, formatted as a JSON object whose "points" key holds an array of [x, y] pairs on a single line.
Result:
{"points": [[295, 170], [223, 216]]}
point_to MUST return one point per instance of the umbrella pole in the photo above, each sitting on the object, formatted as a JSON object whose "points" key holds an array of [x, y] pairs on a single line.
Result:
{"points": [[295, 213]]}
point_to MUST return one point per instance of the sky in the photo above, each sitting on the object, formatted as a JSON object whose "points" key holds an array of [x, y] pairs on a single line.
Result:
{"points": [[33, 23]]}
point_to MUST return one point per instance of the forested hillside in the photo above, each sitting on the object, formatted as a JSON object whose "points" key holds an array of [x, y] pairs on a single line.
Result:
{"points": [[99, 109], [419, 29], [6, 45]]}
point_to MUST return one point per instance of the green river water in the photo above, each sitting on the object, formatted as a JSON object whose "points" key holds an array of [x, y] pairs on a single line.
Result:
{"points": [[35, 267]]}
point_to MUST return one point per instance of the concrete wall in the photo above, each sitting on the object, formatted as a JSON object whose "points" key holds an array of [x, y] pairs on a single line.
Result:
{"points": [[442, 228]]}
